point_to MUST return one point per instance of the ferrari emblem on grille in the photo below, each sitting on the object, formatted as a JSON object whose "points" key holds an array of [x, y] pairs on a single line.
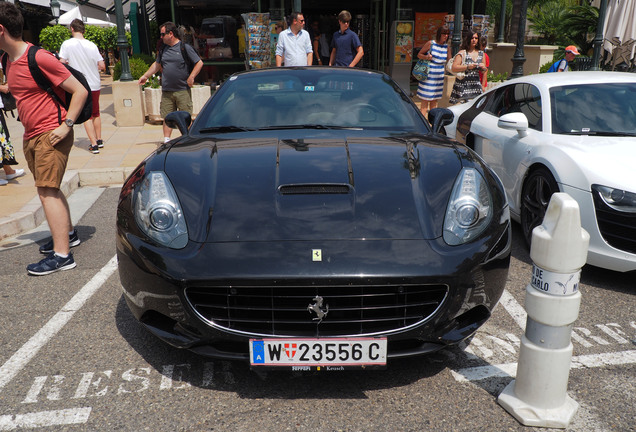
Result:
{"points": [[316, 254], [317, 308]]}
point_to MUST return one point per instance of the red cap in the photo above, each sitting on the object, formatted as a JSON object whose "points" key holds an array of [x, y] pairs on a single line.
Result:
{"points": [[572, 49]]}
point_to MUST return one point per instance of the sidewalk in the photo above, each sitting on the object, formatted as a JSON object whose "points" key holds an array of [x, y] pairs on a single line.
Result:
{"points": [[124, 148]]}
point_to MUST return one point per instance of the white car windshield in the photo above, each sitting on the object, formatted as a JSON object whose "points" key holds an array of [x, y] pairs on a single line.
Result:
{"points": [[594, 109]]}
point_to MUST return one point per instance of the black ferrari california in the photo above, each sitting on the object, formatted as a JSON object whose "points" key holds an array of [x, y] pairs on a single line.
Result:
{"points": [[311, 218]]}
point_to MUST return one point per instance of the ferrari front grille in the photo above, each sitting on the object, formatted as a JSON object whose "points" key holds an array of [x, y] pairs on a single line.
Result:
{"points": [[313, 311]]}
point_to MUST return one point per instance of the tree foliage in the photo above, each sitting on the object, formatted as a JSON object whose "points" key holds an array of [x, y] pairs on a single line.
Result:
{"points": [[105, 38], [557, 22], [581, 23], [51, 37]]}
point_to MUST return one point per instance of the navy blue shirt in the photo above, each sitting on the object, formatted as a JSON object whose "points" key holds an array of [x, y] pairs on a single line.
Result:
{"points": [[346, 45]]}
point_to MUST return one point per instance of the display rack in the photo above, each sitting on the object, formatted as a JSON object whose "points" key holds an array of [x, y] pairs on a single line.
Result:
{"points": [[257, 40]]}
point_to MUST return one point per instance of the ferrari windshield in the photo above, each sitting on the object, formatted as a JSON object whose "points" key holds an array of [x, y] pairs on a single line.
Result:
{"points": [[318, 98], [594, 109]]}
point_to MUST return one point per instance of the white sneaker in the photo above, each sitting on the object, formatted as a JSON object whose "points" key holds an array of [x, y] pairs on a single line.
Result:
{"points": [[3, 182], [18, 173]]}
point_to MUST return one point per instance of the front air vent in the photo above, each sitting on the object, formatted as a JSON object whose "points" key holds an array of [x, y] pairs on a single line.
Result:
{"points": [[315, 189]]}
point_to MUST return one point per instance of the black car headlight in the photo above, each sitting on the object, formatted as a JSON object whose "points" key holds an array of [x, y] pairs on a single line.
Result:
{"points": [[158, 212], [618, 199], [469, 209]]}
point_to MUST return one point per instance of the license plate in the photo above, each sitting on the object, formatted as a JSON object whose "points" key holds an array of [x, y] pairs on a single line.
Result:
{"points": [[303, 354]]}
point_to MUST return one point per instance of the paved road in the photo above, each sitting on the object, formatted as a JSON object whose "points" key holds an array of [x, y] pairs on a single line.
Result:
{"points": [[72, 358]]}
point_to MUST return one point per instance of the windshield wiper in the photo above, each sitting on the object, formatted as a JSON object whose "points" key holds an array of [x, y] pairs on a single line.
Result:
{"points": [[308, 126], [225, 129]]}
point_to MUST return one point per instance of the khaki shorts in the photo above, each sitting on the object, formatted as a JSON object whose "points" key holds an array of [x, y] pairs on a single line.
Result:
{"points": [[47, 162], [175, 101]]}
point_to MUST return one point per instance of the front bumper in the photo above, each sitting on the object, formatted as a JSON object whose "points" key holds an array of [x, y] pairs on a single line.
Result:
{"points": [[155, 281]]}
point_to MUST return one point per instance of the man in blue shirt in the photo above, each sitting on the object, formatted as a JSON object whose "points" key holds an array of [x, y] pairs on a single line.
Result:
{"points": [[346, 49], [294, 44]]}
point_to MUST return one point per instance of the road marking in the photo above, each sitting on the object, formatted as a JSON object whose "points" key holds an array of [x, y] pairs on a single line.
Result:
{"points": [[24, 355], [514, 309], [578, 362], [45, 418]]}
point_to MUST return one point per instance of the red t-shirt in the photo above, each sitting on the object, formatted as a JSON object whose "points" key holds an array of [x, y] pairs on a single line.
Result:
{"points": [[37, 110]]}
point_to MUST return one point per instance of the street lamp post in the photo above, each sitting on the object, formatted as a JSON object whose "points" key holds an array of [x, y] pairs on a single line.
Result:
{"points": [[55, 9], [502, 21], [122, 42], [598, 39], [518, 59], [457, 27]]}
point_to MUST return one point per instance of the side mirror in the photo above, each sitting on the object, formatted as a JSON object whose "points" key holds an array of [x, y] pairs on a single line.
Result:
{"points": [[440, 117], [514, 121], [179, 120]]}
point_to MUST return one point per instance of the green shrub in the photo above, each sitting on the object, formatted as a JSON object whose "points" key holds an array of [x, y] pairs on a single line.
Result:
{"points": [[149, 59], [498, 77], [51, 37], [137, 68]]}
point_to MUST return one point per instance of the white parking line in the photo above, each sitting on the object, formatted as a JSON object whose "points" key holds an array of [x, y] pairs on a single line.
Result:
{"points": [[516, 311], [578, 362], [45, 418], [24, 355]]}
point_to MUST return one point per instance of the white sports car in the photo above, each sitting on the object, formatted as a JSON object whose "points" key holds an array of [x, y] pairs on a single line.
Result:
{"points": [[569, 132]]}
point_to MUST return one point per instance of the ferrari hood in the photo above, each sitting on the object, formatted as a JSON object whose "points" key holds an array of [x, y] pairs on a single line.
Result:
{"points": [[309, 189]]}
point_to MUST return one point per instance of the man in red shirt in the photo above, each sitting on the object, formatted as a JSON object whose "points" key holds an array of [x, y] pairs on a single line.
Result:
{"points": [[47, 143]]}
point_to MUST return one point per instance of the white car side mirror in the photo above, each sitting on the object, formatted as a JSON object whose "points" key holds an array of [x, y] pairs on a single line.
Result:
{"points": [[514, 121]]}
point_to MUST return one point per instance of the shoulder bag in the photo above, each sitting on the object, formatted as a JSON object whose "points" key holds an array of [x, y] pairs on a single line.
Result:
{"points": [[449, 67], [420, 71]]}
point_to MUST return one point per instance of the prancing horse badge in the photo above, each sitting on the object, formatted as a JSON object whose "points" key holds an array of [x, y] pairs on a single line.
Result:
{"points": [[316, 254]]}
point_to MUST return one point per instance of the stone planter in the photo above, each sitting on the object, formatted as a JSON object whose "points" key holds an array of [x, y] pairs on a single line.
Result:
{"points": [[501, 54], [152, 100], [200, 95]]}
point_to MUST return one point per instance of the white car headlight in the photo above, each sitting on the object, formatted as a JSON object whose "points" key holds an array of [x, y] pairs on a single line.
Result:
{"points": [[158, 212], [618, 199], [469, 209]]}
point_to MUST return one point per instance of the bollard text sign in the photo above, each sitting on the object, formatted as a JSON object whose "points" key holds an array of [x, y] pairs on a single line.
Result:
{"points": [[555, 283]]}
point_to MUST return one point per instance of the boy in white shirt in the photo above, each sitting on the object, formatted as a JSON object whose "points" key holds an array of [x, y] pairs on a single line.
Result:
{"points": [[84, 56]]}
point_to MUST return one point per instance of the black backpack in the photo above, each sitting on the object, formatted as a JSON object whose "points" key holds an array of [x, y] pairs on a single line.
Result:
{"points": [[46, 85]]}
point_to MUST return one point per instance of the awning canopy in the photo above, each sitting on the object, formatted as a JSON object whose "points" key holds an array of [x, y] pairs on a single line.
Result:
{"points": [[82, 13], [95, 8]]}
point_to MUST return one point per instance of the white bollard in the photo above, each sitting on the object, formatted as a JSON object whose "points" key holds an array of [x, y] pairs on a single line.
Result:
{"points": [[538, 395]]}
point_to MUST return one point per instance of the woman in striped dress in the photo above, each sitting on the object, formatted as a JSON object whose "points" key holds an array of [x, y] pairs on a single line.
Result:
{"points": [[437, 52]]}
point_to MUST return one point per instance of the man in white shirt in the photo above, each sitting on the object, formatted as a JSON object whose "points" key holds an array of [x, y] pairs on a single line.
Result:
{"points": [[294, 44], [84, 56]]}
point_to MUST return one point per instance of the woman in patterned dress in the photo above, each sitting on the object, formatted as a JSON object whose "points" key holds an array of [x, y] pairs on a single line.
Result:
{"points": [[437, 52], [470, 60]]}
